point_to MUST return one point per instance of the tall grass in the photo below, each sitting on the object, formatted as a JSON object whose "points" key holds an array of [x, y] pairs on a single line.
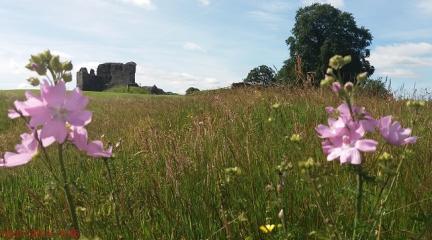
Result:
{"points": [[170, 178]]}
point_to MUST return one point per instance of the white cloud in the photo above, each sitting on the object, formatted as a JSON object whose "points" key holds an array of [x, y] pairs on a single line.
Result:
{"points": [[147, 4], [191, 46], [204, 2], [400, 60], [425, 6], [334, 3]]}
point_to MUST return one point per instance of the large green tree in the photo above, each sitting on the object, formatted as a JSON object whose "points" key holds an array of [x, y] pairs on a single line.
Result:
{"points": [[321, 31], [262, 74]]}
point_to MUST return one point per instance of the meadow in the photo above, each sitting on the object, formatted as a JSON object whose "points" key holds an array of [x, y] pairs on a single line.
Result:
{"points": [[220, 165]]}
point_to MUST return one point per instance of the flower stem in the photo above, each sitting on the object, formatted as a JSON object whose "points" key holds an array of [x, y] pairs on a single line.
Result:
{"points": [[358, 200], [66, 188], [114, 192]]}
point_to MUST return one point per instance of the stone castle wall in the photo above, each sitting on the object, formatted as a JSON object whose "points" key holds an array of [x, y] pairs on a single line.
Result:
{"points": [[107, 75]]}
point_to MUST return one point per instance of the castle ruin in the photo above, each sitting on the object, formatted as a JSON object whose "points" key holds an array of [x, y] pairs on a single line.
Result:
{"points": [[107, 76]]}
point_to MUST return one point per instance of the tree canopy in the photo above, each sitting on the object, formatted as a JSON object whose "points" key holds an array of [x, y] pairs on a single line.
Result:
{"points": [[191, 90], [322, 31], [262, 75]]}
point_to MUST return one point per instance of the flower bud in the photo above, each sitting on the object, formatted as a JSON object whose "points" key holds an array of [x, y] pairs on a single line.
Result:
{"points": [[276, 106], [336, 62], [46, 56], [67, 77], [329, 78], [36, 59], [295, 138], [347, 59], [33, 81], [30, 65], [55, 64], [385, 156], [327, 81], [336, 87], [67, 66], [281, 214], [361, 76], [349, 86], [41, 69], [329, 71], [309, 163]]}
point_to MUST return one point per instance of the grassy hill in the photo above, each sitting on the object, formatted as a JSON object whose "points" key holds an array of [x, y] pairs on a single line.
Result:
{"points": [[175, 176]]}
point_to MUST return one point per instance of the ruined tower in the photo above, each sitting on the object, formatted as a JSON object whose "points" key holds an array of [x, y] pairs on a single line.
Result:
{"points": [[108, 75]]}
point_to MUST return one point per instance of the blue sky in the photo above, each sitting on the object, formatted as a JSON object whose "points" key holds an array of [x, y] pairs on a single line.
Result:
{"points": [[202, 43]]}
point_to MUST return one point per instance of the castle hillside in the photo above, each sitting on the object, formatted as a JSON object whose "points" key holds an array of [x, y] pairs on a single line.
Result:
{"points": [[107, 76]]}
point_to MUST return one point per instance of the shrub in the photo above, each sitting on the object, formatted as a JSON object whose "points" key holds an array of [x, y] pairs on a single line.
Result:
{"points": [[375, 87]]}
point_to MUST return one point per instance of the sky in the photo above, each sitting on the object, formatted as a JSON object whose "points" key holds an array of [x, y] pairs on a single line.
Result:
{"points": [[206, 44]]}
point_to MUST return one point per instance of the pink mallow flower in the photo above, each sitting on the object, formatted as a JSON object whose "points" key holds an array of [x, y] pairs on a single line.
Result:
{"points": [[24, 151], [79, 138], [334, 129], [367, 123], [54, 110], [343, 139], [348, 147], [393, 132]]}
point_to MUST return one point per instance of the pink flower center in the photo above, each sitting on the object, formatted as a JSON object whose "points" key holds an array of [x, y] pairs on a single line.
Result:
{"points": [[346, 141], [60, 113]]}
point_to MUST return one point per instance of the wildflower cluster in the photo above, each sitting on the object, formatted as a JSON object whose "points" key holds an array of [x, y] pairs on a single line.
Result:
{"points": [[345, 135], [54, 116]]}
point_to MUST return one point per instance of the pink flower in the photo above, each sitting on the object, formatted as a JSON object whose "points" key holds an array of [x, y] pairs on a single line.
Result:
{"points": [[336, 87], [95, 149], [55, 110], [343, 137], [24, 151], [79, 138], [393, 132], [348, 147], [367, 123], [32, 101], [335, 128]]}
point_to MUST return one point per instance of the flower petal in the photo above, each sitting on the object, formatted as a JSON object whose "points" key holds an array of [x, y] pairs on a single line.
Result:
{"points": [[334, 153], [79, 138], [15, 159], [95, 149], [80, 118], [350, 155], [12, 114], [76, 101], [56, 129], [366, 145], [410, 140], [54, 96]]}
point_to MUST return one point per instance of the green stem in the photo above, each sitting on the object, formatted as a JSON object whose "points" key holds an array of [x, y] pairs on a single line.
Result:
{"points": [[114, 192], [54, 76], [70, 201], [384, 201], [358, 201]]}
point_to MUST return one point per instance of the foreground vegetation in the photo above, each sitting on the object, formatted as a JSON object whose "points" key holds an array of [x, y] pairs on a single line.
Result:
{"points": [[218, 165]]}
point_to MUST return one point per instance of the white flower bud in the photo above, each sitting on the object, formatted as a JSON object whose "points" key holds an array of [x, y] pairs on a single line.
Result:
{"points": [[362, 76], [347, 59]]}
